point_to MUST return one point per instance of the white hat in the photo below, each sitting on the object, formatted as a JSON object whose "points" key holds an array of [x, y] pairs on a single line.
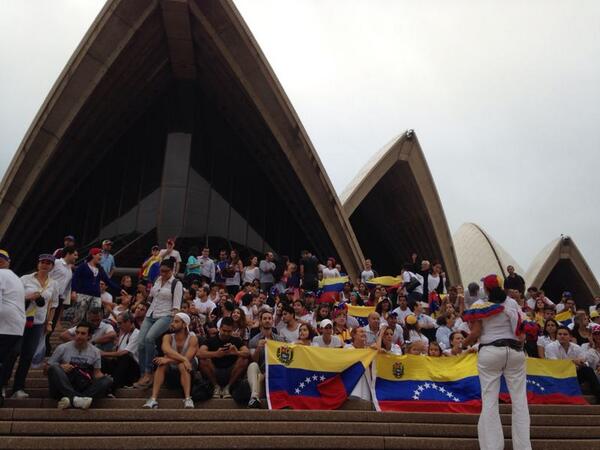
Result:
{"points": [[325, 322], [184, 317]]}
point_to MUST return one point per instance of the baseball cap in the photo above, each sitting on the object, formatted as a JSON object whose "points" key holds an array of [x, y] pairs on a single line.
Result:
{"points": [[94, 251], [594, 314], [69, 237], [106, 242], [4, 255], [46, 257], [492, 281], [325, 322], [567, 294], [309, 294]]}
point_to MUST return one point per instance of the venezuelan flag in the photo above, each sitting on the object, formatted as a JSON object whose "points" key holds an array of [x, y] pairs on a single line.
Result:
{"points": [[390, 283], [549, 382], [564, 317], [330, 288], [424, 384], [361, 313], [303, 377]]}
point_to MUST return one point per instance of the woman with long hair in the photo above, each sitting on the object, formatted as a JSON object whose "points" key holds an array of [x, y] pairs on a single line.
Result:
{"points": [[322, 312], [240, 328], [548, 336], [330, 271], [384, 308], [192, 267], [233, 272], [340, 325], [538, 311], [363, 292], [306, 333], [581, 332], [385, 342], [251, 272]]}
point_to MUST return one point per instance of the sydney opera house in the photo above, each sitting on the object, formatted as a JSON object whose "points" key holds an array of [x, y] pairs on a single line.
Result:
{"points": [[169, 121]]}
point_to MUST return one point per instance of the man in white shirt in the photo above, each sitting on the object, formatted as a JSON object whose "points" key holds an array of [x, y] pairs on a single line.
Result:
{"points": [[12, 315], [202, 302], [563, 348], [372, 329], [122, 363], [207, 266], [368, 273], [567, 303], [402, 311], [103, 334], [326, 339], [289, 327]]}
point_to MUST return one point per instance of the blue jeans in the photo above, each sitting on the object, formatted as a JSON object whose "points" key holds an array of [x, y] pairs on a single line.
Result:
{"points": [[152, 328]]}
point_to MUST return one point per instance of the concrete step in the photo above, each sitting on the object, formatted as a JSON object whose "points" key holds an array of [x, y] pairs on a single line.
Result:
{"points": [[142, 415], [277, 442]]}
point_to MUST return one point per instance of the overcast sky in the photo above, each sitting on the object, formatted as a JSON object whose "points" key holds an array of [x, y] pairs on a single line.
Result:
{"points": [[503, 95]]}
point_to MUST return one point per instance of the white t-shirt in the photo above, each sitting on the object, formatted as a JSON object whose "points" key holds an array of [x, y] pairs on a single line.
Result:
{"points": [[12, 304], [556, 351], [402, 314], [414, 336], [290, 336], [335, 342], [62, 274], [366, 275], [250, 274], [498, 326], [106, 297], [165, 254], [204, 307], [544, 341], [330, 273], [426, 321], [407, 275], [433, 283], [129, 342], [395, 350]]}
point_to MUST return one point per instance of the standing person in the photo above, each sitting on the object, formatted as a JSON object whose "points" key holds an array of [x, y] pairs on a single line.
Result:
{"points": [[514, 280], [500, 353], [149, 271], [68, 241], [221, 268], [233, 273], [12, 316], [74, 374], [62, 273], [207, 266], [368, 273], [166, 295], [267, 267], [40, 291], [330, 271], [251, 272], [107, 261], [309, 271], [85, 285], [413, 284], [192, 267], [170, 252]]}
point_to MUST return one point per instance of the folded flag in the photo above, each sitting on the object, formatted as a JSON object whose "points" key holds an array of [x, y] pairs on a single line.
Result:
{"points": [[549, 382], [434, 302], [424, 384], [482, 310], [304, 377], [361, 313], [330, 288]]}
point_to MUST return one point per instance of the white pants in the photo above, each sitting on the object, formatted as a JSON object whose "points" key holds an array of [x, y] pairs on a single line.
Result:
{"points": [[493, 362], [256, 380]]}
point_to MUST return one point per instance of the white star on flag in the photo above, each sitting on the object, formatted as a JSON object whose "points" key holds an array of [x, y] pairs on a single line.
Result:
{"points": [[442, 390], [301, 385], [415, 397], [322, 378], [314, 377], [427, 385], [307, 380], [297, 391], [434, 386]]}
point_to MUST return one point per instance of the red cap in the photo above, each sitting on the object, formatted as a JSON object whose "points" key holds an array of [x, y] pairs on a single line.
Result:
{"points": [[95, 250], [492, 281]]}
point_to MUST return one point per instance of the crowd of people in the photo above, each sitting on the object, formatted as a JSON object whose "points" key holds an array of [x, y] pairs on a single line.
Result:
{"points": [[200, 325]]}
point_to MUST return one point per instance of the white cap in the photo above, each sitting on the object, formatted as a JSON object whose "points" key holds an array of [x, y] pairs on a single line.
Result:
{"points": [[325, 322]]}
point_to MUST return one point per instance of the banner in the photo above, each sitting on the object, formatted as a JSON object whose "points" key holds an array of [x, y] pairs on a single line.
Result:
{"points": [[421, 383], [361, 313], [386, 281], [451, 384], [304, 377]]}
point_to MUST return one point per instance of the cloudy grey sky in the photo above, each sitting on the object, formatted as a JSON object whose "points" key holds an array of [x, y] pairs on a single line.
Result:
{"points": [[504, 96]]}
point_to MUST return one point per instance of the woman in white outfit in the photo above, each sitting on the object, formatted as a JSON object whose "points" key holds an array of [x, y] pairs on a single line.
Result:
{"points": [[497, 324]]}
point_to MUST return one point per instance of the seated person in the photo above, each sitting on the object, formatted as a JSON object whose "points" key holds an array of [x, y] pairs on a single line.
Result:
{"points": [[223, 359], [256, 369], [103, 334], [563, 348], [74, 374], [326, 339], [457, 340], [179, 349], [122, 363], [289, 325]]}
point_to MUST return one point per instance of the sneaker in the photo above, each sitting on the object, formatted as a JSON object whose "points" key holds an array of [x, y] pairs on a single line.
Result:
{"points": [[64, 403], [151, 403], [254, 403], [20, 395], [226, 393], [82, 402], [218, 393], [188, 403], [111, 395]]}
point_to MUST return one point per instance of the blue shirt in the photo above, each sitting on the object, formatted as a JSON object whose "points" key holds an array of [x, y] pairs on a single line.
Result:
{"points": [[107, 262]]}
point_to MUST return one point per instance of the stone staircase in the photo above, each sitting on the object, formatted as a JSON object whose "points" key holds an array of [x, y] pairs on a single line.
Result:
{"points": [[35, 423]]}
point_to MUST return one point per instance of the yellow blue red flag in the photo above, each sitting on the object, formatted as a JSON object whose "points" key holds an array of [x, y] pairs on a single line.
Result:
{"points": [[360, 313], [329, 289], [304, 377]]}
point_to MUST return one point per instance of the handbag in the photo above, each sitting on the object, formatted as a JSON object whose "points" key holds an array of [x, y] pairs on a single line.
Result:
{"points": [[412, 284]]}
